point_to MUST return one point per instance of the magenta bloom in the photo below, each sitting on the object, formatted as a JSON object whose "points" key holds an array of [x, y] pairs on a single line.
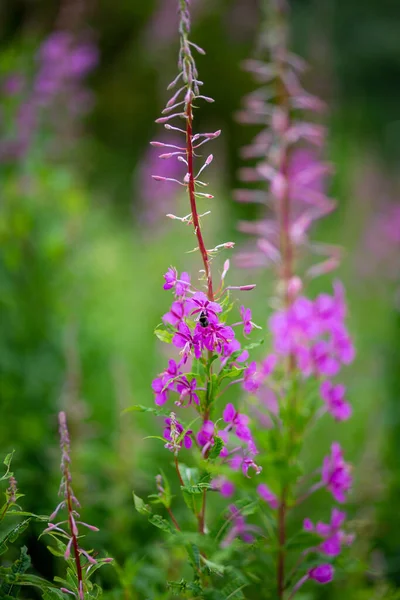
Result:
{"points": [[251, 378], [187, 390], [313, 332], [269, 497], [199, 303], [239, 529], [237, 422], [170, 278], [245, 462], [247, 322], [336, 474], [184, 339], [206, 433], [322, 573], [332, 534], [225, 487], [214, 337], [333, 396], [176, 314], [181, 284], [159, 390], [234, 346], [165, 382], [187, 440]]}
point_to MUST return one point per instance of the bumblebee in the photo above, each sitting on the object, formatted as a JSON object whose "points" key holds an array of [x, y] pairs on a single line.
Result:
{"points": [[203, 319]]}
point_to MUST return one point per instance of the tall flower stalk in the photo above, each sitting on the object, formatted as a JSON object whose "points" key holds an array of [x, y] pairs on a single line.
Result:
{"points": [[310, 340], [207, 358], [81, 563]]}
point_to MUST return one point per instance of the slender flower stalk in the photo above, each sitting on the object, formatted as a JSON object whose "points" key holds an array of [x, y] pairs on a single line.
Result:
{"points": [[310, 340], [206, 349], [68, 530]]}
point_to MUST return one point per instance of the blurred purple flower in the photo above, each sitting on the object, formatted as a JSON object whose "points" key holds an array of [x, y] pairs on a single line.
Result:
{"points": [[269, 497], [336, 474], [333, 396], [239, 528]]}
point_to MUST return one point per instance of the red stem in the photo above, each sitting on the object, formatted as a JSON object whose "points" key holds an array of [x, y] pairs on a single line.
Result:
{"points": [[175, 522], [202, 248], [178, 471], [192, 197], [73, 536]]}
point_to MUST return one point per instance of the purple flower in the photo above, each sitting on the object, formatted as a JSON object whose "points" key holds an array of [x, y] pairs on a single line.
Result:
{"points": [[251, 379], [225, 487], [239, 529], [184, 339], [172, 433], [243, 461], [238, 423], [160, 391], [333, 396], [247, 322], [322, 573], [324, 362], [187, 390], [336, 474], [214, 337], [205, 437], [181, 284], [314, 334], [234, 346], [170, 278], [268, 365], [331, 533], [176, 314], [269, 497], [165, 382], [200, 304]]}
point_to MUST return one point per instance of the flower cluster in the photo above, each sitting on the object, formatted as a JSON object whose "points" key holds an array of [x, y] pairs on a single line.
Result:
{"points": [[196, 327], [68, 529], [331, 533]]}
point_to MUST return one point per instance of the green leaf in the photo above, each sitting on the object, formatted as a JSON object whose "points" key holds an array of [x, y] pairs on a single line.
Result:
{"points": [[146, 409], [161, 523], [190, 475], [140, 505], [53, 594], [253, 345], [12, 535], [213, 567], [216, 448], [8, 587], [164, 335], [7, 463]]}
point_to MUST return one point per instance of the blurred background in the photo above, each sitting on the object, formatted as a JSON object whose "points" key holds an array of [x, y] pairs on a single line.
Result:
{"points": [[84, 243]]}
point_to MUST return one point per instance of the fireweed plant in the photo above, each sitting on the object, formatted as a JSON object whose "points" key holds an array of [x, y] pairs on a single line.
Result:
{"points": [[65, 531], [295, 385], [206, 357]]}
